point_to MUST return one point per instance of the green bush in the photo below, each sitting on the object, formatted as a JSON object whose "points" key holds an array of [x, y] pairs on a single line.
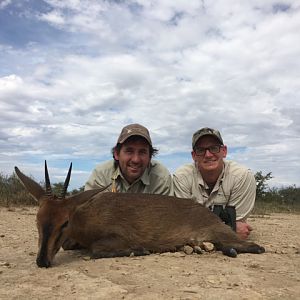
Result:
{"points": [[270, 200]]}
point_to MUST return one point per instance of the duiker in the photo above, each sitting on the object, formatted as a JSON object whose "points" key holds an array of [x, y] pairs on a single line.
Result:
{"points": [[119, 224]]}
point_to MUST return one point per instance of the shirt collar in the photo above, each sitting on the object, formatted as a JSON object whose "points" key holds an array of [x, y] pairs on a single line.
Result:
{"points": [[219, 180]]}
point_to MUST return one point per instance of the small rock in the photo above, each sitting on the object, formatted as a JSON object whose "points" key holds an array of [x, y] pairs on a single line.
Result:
{"points": [[188, 250], [208, 246], [198, 250], [86, 258]]}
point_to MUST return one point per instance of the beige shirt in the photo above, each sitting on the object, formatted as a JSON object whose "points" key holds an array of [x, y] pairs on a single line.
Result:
{"points": [[155, 180], [235, 186]]}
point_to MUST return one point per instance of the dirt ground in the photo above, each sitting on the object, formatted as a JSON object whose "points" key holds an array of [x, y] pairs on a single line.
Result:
{"points": [[272, 275]]}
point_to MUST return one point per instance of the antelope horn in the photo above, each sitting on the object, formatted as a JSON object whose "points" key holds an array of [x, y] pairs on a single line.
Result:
{"points": [[47, 181], [66, 184]]}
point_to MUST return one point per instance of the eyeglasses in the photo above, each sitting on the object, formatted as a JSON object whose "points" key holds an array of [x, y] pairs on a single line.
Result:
{"points": [[212, 149]]}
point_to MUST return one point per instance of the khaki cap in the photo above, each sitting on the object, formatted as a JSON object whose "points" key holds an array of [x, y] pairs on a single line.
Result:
{"points": [[206, 131], [134, 129]]}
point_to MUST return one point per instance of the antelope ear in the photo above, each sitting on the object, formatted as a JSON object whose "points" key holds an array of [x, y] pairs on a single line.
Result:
{"points": [[32, 187]]}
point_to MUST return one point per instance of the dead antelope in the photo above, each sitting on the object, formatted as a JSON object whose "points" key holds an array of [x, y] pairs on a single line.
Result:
{"points": [[118, 224]]}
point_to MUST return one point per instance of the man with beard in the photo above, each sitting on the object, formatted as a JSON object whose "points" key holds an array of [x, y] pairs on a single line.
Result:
{"points": [[132, 169], [226, 187]]}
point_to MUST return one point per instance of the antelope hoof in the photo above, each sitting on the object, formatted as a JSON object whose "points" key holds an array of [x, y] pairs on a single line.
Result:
{"points": [[231, 252]]}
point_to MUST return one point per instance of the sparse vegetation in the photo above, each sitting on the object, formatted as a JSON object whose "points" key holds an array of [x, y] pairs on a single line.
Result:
{"points": [[13, 193], [57, 188], [268, 200], [274, 199]]}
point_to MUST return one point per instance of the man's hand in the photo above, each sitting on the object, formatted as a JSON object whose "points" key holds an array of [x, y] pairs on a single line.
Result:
{"points": [[243, 229]]}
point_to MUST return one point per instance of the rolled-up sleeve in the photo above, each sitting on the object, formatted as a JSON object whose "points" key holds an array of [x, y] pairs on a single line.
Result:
{"points": [[182, 184], [93, 181], [100, 176]]}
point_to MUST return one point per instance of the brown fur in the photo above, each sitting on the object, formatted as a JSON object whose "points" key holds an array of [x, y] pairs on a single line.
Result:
{"points": [[117, 224]]}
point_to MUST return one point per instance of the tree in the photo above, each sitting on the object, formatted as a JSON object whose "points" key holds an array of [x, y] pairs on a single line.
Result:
{"points": [[261, 183]]}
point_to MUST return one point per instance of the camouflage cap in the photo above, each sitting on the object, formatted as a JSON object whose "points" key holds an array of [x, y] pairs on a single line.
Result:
{"points": [[206, 131], [134, 129]]}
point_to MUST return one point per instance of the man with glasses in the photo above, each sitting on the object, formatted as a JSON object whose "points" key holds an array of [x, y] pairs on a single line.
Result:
{"points": [[226, 187]]}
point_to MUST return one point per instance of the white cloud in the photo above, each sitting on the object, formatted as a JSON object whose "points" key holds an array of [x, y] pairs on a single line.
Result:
{"points": [[54, 18], [173, 66], [4, 3]]}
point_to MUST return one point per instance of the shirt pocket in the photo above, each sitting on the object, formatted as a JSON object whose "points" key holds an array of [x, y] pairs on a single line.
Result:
{"points": [[220, 198]]}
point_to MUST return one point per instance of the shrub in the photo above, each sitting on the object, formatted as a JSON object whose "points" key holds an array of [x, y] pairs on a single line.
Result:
{"points": [[13, 192], [268, 200]]}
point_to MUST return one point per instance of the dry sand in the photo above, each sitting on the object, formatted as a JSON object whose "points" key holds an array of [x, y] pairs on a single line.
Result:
{"points": [[272, 275]]}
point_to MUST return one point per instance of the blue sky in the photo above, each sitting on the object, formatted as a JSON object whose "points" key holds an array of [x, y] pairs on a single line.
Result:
{"points": [[74, 72]]}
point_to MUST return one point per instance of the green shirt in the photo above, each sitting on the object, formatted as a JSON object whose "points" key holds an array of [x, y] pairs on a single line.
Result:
{"points": [[235, 186], [155, 180]]}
